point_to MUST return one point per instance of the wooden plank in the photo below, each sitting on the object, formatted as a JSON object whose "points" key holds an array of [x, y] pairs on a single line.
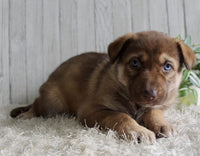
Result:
{"points": [[192, 19], [51, 31], [77, 27], [68, 29], [1, 40], [140, 15], [176, 18], [104, 24], [4, 57], [158, 15], [121, 17], [85, 25], [34, 51], [18, 51]]}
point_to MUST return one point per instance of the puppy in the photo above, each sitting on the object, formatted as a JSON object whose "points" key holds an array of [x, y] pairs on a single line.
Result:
{"points": [[126, 90]]}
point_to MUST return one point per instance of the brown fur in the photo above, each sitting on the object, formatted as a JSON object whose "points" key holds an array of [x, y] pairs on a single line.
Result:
{"points": [[105, 89]]}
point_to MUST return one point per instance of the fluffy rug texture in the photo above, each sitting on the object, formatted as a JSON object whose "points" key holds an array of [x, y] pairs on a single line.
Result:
{"points": [[65, 136]]}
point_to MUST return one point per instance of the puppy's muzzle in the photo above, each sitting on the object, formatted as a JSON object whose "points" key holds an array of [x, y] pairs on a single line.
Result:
{"points": [[149, 94]]}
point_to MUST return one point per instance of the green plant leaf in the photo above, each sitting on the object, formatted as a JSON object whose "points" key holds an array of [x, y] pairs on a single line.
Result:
{"points": [[195, 94], [184, 85], [186, 74], [196, 49], [186, 101], [190, 98], [198, 59], [179, 36], [188, 41], [196, 67], [194, 79], [183, 92]]}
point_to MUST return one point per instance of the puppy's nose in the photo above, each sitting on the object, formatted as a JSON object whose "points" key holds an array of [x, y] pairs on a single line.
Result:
{"points": [[149, 94]]}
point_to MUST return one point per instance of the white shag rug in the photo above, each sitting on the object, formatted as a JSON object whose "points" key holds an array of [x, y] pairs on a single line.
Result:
{"points": [[63, 136]]}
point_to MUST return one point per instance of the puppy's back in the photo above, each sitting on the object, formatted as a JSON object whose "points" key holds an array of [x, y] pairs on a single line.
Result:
{"points": [[73, 78]]}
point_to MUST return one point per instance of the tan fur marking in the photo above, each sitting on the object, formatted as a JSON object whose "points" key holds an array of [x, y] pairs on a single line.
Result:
{"points": [[121, 77], [165, 57]]}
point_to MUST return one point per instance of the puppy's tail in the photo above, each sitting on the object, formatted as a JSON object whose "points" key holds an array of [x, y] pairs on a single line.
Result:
{"points": [[19, 110]]}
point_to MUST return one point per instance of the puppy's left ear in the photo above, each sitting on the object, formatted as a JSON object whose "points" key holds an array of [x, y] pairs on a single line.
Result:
{"points": [[116, 46], [187, 54]]}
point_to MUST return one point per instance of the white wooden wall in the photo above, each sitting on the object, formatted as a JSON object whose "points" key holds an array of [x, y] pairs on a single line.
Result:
{"points": [[37, 35]]}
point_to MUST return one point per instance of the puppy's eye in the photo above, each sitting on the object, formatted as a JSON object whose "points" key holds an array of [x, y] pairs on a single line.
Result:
{"points": [[167, 67], [135, 63]]}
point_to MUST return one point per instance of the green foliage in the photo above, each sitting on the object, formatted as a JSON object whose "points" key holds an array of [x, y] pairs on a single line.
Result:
{"points": [[191, 79]]}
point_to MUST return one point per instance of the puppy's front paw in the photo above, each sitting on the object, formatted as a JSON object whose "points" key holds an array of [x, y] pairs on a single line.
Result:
{"points": [[144, 135], [141, 134], [164, 130]]}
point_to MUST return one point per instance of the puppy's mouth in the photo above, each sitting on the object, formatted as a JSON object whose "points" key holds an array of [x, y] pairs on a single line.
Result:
{"points": [[148, 103], [148, 98]]}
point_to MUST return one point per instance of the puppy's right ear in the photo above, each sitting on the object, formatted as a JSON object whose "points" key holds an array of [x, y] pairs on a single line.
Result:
{"points": [[116, 46]]}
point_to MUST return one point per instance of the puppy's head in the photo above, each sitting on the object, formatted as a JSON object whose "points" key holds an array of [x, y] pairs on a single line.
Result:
{"points": [[150, 65]]}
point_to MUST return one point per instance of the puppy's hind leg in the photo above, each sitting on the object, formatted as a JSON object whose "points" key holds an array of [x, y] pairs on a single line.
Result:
{"points": [[25, 112], [19, 110], [27, 115], [50, 103]]}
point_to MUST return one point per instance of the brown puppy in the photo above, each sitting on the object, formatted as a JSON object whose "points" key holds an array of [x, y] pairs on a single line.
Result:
{"points": [[132, 85]]}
